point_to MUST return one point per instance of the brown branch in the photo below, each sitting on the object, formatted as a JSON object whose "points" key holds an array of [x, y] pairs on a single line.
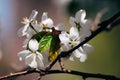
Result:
{"points": [[16, 74], [13, 75], [85, 75], [43, 73]]}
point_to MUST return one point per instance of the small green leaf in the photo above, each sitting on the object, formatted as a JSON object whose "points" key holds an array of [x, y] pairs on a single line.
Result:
{"points": [[50, 42], [45, 43]]}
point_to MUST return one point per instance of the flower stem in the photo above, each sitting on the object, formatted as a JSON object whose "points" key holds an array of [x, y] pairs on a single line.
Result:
{"points": [[33, 28]]}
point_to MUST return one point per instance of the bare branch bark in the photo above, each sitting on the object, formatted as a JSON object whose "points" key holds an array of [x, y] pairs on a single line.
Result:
{"points": [[78, 73]]}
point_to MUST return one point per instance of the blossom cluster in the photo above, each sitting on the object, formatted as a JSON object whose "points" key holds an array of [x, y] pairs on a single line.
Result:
{"points": [[44, 41]]}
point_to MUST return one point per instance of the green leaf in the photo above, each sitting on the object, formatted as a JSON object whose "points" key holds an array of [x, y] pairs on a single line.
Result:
{"points": [[45, 43], [50, 42]]}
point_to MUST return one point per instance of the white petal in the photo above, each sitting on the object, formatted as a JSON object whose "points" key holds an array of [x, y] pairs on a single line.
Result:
{"points": [[20, 33], [72, 21], [23, 54], [30, 32], [48, 22], [33, 45], [37, 26], [64, 38], [60, 27], [24, 31], [71, 58], [46, 60], [83, 57], [74, 33], [31, 60], [84, 33], [88, 48], [44, 16], [33, 15], [25, 42], [88, 24], [77, 53], [80, 16], [39, 60], [81, 50], [33, 63]]}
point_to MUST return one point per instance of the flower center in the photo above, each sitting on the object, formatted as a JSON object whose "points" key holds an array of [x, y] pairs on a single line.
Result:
{"points": [[73, 43], [44, 25]]}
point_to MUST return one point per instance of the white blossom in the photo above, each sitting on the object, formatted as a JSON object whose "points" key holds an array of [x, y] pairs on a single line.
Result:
{"points": [[26, 29], [48, 23], [45, 21], [71, 40], [81, 23], [32, 57], [82, 52]]}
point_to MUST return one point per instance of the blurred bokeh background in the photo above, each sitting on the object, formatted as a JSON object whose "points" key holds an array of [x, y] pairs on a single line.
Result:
{"points": [[105, 58]]}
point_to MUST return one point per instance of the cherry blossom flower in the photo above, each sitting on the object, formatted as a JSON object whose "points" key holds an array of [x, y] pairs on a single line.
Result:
{"points": [[71, 40], [31, 26], [81, 52], [47, 23], [32, 57], [81, 23]]}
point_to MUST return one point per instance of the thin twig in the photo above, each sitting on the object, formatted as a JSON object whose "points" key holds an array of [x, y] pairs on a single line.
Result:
{"points": [[98, 18]]}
